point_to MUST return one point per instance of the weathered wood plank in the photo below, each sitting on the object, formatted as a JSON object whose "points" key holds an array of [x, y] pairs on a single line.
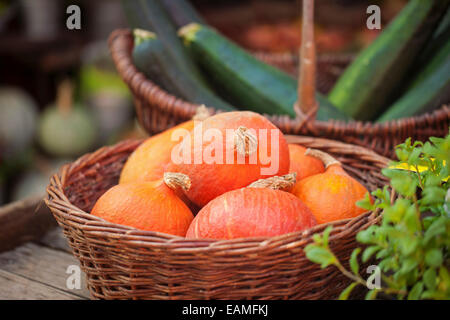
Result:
{"points": [[14, 287], [23, 221], [55, 239], [43, 265]]}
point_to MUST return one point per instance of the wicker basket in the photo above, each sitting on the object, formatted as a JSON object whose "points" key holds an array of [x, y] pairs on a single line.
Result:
{"points": [[125, 263], [158, 110]]}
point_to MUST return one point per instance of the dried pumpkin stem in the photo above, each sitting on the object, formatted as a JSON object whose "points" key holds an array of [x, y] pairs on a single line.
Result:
{"points": [[245, 142], [175, 180], [284, 183], [201, 113], [323, 156]]}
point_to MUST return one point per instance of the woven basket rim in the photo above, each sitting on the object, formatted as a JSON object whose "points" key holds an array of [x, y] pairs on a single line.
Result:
{"points": [[56, 200], [164, 101]]}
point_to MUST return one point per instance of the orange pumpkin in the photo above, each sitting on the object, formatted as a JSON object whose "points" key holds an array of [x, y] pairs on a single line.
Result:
{"points": [[148, 162], [251, 212], [331, 195], [227, 153], [302, 164], [151, 206]]}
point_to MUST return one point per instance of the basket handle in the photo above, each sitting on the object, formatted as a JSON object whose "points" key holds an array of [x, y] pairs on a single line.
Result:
{"points": [[306, 105]]}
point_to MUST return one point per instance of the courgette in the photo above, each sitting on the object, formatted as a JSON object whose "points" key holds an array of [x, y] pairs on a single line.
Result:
{"points": [[429, 89], [182, 12], [135, 16], [369, 84], [146, 52], [439, 39], [151, 58], [157, 20], [247, 82]]}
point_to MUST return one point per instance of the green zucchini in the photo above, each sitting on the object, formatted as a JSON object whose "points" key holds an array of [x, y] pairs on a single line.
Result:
{"points": [[151, 58], [248, 83], [135, 16], [370, 83], [440, 37], [429, 89], [182, 12], [146, 52], [151, 15]]}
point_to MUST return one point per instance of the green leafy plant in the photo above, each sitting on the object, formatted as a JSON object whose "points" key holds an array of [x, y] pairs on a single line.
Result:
{"points": [[411, 244]]}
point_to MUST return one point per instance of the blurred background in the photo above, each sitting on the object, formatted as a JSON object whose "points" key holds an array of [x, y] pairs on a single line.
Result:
{"points": [[61, 97]]}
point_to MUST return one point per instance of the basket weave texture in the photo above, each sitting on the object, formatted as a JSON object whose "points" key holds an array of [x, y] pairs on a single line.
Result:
{"points": [[125, 263], [158, 110]]}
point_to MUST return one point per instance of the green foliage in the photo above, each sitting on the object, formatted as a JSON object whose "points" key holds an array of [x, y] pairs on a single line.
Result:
{"points": [[411, 244]]}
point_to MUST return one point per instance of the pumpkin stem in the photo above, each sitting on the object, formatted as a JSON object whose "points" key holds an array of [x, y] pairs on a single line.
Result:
{"points": [[175, 180], [323, 156], [284, 183], [202, 113], [245, 142], [65, 96]]}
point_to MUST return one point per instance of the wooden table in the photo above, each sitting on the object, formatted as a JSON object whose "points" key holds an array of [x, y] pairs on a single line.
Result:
{"points": [[37, 270]]}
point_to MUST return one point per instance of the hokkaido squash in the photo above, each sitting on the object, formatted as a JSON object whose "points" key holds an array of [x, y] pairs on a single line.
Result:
{"points": [[331, 195], [302, 164], [150, 206], [229, 151], [148, 162], [260, 210]]}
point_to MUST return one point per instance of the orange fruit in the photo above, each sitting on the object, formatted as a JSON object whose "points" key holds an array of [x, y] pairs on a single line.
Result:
{"points": [[150, 206]]}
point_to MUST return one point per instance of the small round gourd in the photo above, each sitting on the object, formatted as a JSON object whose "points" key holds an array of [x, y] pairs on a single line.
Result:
{"points": [[18, 117], [66, 130]]}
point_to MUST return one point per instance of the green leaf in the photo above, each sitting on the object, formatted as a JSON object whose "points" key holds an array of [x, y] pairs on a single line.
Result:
{"points": [[366, 236], [369, 252], [408, 245], [354, 261], [413, 158], [317, 239], [346, 293], [412, 220], [388, 264], [416, 291], [320, 255], [326, 235], [433, 196], [408, 265], [396, 212], [429, 278], [437, 228], [372, 294], [402, 154], [383, 253], [402, 181], [432, 181], [365, 203], [429, 294], [434, 258], [444, 277]]}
